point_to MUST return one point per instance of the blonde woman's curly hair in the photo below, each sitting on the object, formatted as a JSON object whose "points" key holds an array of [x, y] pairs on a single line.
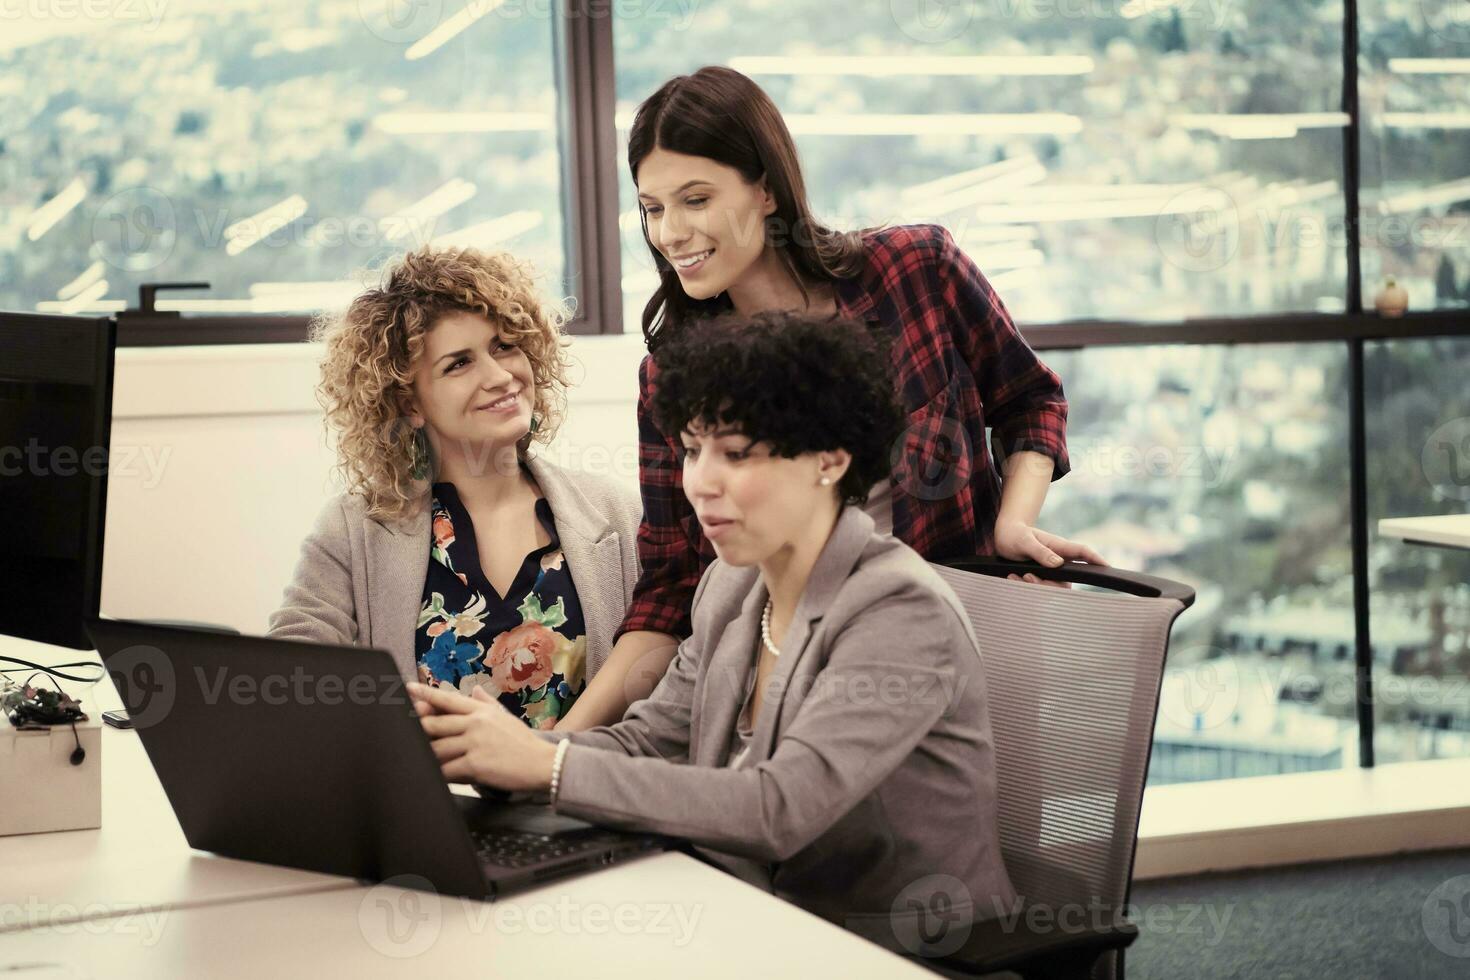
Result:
{"points": [[372, 347]]}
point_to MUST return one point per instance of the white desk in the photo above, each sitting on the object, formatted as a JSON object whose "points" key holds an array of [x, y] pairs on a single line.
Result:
{"points": [[1447, 531], [138, 858], [132, 900], [661, 916]]}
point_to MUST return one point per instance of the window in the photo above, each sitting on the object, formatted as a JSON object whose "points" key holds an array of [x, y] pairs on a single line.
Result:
{"points": [[1135, 160], [1419, 463], [270, 148], [1226, 468], [1413, 94]]}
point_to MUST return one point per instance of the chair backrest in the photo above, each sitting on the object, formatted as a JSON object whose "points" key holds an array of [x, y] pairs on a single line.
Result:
{"points": [[1073, 680]]}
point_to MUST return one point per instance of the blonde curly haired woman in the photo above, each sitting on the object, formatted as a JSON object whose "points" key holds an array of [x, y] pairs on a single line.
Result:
{"points": [[458, 550]]}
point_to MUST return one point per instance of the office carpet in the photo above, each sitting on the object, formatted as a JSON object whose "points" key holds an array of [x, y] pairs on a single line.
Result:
{"points": [[1381, 919]]}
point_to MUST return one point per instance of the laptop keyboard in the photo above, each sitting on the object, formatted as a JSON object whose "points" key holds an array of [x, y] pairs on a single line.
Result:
{"points": [[519, 848]]}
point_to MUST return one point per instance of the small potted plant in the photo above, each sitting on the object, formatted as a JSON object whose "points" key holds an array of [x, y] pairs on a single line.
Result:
{"points": [[1392, 299]]}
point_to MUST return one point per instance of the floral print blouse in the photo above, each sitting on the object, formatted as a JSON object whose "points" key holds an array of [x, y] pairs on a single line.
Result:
{"points": [[527, 648]]}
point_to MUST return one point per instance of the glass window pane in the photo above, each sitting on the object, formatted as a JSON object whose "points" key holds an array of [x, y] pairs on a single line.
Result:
{"points": [[1419, 464], [1136, 160], [1414, 98], [271, 148], [1226, 468]]}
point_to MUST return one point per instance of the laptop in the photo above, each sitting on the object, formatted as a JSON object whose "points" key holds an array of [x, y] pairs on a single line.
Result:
{"points": [[311, 756]]}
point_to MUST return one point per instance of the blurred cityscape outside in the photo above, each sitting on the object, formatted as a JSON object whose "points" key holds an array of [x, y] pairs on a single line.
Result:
{"points": [[1227, 468], [276, 150]]}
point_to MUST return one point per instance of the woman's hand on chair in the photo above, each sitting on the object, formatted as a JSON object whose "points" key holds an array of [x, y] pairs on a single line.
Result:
{"points": [[476, 740], [1020, 541]]}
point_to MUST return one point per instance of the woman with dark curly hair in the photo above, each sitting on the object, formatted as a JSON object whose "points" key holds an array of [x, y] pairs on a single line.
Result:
{"points": [[823, 732], [729, 227], [473, 561]]}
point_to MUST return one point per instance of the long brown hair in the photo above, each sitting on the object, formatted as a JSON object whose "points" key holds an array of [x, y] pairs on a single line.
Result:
{"points": [[721, 115]]}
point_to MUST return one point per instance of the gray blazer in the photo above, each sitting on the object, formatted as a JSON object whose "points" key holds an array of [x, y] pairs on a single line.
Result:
{"points": [[362, 581], [869, 787]]}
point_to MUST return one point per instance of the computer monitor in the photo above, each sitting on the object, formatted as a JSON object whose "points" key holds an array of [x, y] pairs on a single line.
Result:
{"points": [[55, 426]]}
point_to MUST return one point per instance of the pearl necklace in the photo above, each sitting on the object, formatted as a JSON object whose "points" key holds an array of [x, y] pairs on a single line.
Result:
{"points": [[766, 630]]}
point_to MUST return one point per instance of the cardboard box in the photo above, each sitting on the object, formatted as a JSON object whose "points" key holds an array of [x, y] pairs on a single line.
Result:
{"points": [[40, 790]]}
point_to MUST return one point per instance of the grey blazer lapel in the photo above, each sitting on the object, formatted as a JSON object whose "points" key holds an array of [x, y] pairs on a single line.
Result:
{"points": [[793, 645], [849, 537], [397, 562], [601, 610], [726, 672], [591, 546]]}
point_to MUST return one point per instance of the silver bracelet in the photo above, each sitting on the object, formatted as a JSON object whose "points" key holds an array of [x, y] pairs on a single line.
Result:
{"points": [[561, 754]]}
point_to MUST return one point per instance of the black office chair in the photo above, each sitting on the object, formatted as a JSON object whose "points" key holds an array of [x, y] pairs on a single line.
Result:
{"points": [[1073, 678]]}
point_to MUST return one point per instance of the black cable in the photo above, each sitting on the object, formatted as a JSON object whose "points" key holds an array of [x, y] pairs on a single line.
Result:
{"points": [[56, 671], [79, 753]]}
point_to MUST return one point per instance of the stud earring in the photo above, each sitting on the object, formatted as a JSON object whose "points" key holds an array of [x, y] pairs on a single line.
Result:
{"points": [[826, 481]]}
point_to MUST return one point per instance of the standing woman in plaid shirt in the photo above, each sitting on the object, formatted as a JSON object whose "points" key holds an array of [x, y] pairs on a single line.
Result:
{"points": [[726, 217]]}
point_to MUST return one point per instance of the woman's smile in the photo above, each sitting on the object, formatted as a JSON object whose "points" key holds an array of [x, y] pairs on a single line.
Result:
{"points": [[690, 263], [502, 406]]}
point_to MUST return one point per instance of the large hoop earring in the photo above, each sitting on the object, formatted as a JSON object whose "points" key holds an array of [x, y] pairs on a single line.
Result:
{"points": [[419, 455]]}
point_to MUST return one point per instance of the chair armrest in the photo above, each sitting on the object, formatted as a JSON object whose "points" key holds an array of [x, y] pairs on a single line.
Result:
{"points": [[1010, 942], [1102, 576]]}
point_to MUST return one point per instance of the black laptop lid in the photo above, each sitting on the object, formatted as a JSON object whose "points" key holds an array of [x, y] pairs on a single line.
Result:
{"points": [[291, 753]]}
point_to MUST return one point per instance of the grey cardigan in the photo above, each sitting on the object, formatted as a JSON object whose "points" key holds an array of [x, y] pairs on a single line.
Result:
{"points": [[361, 581], [869, 787]]}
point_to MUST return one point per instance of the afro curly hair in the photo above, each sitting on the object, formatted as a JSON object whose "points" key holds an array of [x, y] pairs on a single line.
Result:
{"points": [[801, 383]]}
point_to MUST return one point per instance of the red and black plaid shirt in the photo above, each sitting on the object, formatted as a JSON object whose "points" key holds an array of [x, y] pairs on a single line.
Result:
{"points": [[960, 365]]}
